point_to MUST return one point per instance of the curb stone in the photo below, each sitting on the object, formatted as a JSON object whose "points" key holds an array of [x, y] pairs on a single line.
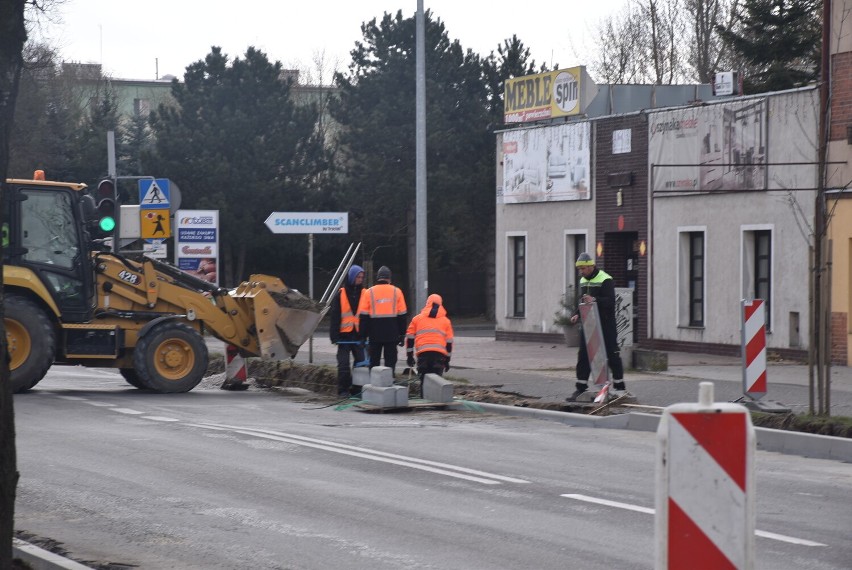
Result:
{"points": [[781, 441]]}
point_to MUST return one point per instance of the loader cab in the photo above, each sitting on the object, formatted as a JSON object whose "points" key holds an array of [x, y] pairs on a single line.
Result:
{"points": [[44, 231]]}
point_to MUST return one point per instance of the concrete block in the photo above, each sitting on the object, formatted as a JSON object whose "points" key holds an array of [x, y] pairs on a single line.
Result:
{"points": [[381, 376], [401, 396], [650, 360], [361, 375], [382, 396], [436, 389]]}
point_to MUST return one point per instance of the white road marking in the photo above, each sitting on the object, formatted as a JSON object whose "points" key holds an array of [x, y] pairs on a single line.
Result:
{"points": [[646, 510], [160, 419], [608, 503], [365, 453], [127, 411], [100, 404]]}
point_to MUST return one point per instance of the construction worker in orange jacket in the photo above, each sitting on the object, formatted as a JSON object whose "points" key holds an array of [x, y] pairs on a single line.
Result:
{"points": [[430, 338], [343, 329], [382, 319]]}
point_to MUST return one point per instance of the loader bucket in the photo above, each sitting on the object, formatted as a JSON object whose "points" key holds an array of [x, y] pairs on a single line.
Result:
{"points": [[284, 318]]}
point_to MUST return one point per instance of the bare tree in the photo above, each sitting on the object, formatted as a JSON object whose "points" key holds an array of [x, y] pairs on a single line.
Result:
{"points": [[663, 39], [707, 53], [665, 42], [620, 41]]}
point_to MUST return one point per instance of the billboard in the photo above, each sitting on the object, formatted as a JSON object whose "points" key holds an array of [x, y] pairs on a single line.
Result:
{"points": [[197, 243], [560, 93], [548, 164], [715, 147]]}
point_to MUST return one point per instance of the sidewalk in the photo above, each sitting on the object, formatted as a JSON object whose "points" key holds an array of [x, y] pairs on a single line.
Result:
{"points": [[546, 371]]}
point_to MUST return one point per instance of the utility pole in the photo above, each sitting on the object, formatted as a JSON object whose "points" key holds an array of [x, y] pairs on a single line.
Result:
{"points": [[421, 278], [821, 339]]}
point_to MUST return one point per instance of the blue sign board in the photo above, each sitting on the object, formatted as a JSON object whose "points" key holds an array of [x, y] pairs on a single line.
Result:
{"points": [[196, 234], [154, 193]]}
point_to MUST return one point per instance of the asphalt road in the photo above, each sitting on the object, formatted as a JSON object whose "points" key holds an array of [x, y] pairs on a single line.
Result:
{"points": [[214, 479]]}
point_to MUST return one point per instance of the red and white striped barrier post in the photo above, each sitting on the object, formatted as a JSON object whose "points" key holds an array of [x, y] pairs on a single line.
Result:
{"points": [[595, 347], [705, 513], [754, 348], [235, 369]]}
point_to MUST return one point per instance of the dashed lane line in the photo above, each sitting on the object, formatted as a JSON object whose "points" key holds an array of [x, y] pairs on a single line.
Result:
{"points": [[646, 510]]}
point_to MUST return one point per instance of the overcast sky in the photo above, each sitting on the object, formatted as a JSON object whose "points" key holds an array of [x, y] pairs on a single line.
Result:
{"points": [[153, 38]]}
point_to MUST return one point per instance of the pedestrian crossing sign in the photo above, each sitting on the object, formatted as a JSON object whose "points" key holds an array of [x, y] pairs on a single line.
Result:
{"points": [[154, 193], [155, 224]]}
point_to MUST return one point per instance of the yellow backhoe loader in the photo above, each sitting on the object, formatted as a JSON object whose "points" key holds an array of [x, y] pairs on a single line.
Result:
{"points": [[69, 300]]}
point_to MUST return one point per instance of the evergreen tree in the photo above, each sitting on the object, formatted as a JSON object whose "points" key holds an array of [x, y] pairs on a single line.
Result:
{"points": [[237, 142], [779, 40], [136, 142], [46, 118], [376, 111], [88, 161]]}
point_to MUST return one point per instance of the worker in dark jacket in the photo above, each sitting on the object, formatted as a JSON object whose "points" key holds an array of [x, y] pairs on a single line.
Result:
{"points": [[383, 319], [343, 329], [429, 338], [597, 286]]}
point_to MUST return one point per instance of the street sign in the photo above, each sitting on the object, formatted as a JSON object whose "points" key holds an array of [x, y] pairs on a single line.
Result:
{"points": [[155, 248], [308, 222], [154, 193], [155, 224]]}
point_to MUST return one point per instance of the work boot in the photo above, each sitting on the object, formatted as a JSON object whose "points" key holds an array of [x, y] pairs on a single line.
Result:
{"points": [[581, 388]]}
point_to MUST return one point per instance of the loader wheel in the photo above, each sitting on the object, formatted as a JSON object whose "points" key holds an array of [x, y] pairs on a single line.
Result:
{"points": [[132, 378], [31, 340], [171, 358]]}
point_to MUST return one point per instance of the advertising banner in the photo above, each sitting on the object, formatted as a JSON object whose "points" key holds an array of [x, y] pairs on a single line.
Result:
{"points": [[544, 96], [716, 147], [197, 243], [547, 164]]}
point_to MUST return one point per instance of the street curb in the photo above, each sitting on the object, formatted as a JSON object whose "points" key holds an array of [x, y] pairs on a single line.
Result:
{"points": [[781, 441], [41, 559]]}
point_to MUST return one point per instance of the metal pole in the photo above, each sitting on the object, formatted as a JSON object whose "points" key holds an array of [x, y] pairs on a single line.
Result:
{"points": [[421, 279], [828, 341], [811, 335], [311, 291]]}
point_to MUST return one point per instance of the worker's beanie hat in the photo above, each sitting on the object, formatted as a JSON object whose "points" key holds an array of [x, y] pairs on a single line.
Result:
{"points": [[383, 274], [585, 260]]}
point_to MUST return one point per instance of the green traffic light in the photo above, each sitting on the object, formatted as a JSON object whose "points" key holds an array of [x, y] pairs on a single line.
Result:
{"points": [[107, 224]]}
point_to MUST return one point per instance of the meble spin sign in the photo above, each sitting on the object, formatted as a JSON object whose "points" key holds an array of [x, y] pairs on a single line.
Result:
{"points": [[308, 222]]}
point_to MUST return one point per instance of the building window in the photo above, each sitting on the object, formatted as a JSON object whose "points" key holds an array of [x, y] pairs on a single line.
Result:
{"points": [[575, 244], [141, 107], [517, 276], [691, 272], [757, 268], [696, 279], [762, 271]]}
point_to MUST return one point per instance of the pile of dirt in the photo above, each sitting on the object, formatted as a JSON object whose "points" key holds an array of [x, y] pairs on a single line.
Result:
{"points": [[322, 380], [820, 425]]}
